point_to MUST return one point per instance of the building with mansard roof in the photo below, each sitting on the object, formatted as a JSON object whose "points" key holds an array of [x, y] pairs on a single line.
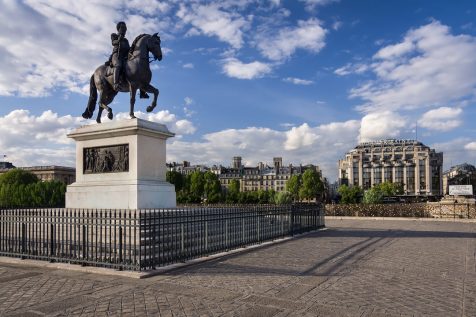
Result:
{"points": [[261, 177], [409, 162]]}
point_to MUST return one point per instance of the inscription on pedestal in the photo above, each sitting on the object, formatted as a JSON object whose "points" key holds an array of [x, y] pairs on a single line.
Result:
{"points": [[106, 159]]}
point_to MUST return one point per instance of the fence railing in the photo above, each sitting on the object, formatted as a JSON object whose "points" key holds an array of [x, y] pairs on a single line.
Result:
{"points": [[145, 239]]}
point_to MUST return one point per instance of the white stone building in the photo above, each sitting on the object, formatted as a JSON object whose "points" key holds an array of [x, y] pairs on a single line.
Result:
{"points": [[409, 162]]}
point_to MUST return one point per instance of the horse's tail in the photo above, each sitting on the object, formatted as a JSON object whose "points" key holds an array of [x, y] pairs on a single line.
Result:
{"points": [[93, 97]]}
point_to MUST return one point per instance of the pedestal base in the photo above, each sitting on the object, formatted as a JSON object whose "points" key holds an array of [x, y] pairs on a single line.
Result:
{"points": [[121, 195]]}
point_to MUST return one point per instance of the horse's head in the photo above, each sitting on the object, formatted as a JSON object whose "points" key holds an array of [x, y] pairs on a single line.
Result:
{"points": [[153, 46]]}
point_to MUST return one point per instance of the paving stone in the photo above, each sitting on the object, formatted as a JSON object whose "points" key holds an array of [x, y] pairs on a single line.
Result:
{"points": [[356, 268]]}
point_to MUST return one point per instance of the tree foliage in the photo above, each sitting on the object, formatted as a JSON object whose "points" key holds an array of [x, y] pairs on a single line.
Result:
{"points": [[38, 194], [376, 194], [312, 185], [177, 179], [350, 195], [292, 186], [18, 176]]}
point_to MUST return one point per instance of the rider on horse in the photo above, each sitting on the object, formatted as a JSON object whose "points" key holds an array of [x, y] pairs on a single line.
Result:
{"points": [[119, 52], [119, 55]]}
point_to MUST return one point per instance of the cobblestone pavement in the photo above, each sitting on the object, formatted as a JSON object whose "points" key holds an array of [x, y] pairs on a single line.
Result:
{"points": [[356, 268]]}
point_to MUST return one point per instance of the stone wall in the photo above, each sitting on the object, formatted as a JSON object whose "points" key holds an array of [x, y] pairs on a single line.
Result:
{"points": [[421, 210]]}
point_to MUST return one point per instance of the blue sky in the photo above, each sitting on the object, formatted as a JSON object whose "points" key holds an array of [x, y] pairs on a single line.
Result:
{"points": [[305, 79]]}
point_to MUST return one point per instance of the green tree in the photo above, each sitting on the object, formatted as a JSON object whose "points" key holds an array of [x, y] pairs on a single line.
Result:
{"points": [[349, 195], [312, 185], [293, 185], [212, 187], [18, 176], [175, 178], [197, 184], [391, 189], [233, 192], [373, 195], [376, 194], [282, 198]]}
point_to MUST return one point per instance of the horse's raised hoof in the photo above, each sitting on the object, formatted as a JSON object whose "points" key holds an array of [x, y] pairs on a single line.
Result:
{"points": [[110, 115], [150, 108], [86, 115]]}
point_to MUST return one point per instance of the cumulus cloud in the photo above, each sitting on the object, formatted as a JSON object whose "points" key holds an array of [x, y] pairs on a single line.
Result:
{"points": [[29, 139], [173, 123], [429, 67], [233, 67], [381, 125], [307, 35], [456, 151], [471, 146], [47, 44], [212, 20], [442, 119], [298, 81], [322, 145], [300, 136], [34, 140]]}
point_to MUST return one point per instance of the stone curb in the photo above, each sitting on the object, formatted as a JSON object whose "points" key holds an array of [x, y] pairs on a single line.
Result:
{"points": [[150, 273], [401, 218]]}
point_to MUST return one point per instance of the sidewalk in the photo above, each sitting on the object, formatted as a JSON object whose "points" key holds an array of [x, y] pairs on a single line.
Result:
{"points": [[358, 267]]}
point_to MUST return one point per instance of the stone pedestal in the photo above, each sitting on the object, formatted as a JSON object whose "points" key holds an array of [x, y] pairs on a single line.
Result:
{"points": [[121, 165]]}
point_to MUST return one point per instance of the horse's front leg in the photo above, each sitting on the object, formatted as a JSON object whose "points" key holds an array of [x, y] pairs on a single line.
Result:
{"points": [[98, 119], [133, 91], [151, 89]]}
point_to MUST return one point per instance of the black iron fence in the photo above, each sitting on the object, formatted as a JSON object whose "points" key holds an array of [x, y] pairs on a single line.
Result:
{"points": [[145, 239]]}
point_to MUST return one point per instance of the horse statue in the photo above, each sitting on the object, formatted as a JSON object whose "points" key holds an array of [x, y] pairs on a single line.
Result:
{"points": [[138, 76]]}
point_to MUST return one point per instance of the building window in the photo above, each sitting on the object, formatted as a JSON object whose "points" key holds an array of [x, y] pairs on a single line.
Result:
{"points": [[377, 175]]}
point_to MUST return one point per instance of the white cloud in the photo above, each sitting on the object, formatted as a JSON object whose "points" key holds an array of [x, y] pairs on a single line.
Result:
{"points": [[381, 125], [29, 139], [174, 124], [188, 101], [211, 20], [308, 35], [47, 44], [430, 67], [456, 151], [337, 25], [349, 68], [471, 146], [34, 140], [299, 137], [322, 145], [188, 66], [442, 119], [298, 81], [233, 67], [312, 4]]}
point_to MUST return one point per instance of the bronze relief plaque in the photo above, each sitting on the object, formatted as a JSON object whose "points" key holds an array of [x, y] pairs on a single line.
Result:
{"points": [[106, 159]]}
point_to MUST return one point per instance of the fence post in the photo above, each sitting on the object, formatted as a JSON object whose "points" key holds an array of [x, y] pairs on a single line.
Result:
{"points": [[120, 247], [206, 235], [23, 238], [292, 219], [226, 234], [182, 245], [52, 240], [84, 242]]}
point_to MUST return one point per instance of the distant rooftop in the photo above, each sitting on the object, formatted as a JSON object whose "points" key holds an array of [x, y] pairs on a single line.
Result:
{"points": [[389, 142]]}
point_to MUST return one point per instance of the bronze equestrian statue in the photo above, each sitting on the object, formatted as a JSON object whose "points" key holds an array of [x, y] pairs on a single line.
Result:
{"points": [[134, 62]]}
